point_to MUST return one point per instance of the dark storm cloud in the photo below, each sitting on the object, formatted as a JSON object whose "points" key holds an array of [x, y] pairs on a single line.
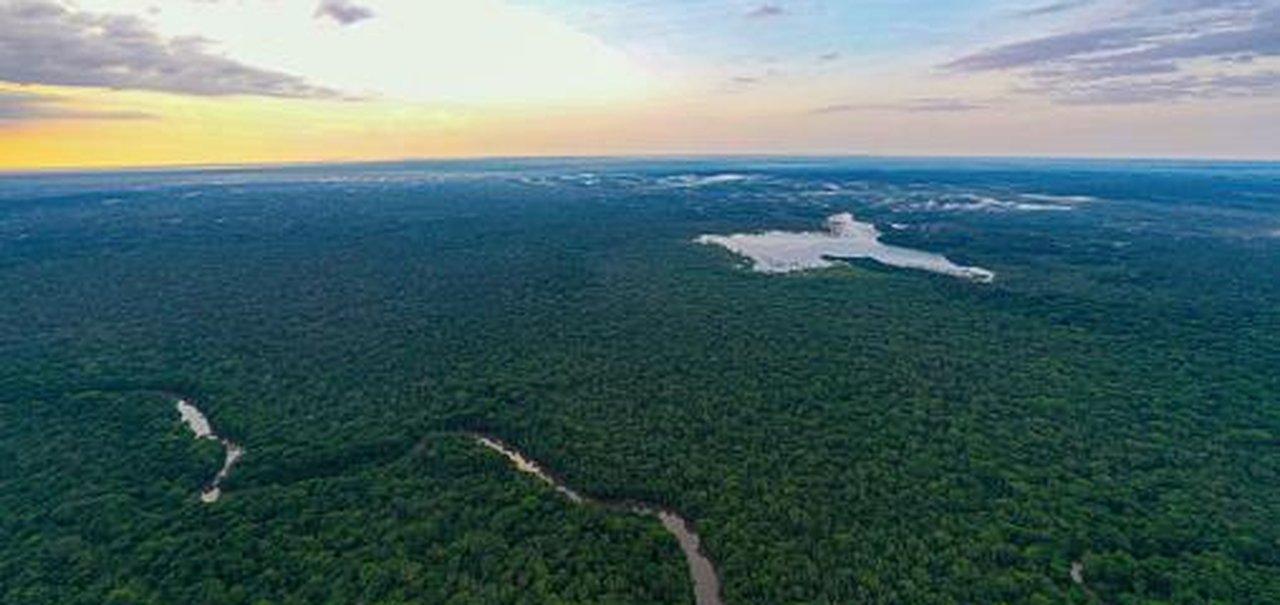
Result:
{"points": [[345, 12], [42, 42], [16, 106], [1145, 56]]}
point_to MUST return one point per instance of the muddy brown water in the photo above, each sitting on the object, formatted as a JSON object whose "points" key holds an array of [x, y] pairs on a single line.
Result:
{"points": [[706, 581]]}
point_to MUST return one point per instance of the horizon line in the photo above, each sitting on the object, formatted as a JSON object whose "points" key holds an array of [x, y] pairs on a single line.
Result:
{"points": [[668, 156]]}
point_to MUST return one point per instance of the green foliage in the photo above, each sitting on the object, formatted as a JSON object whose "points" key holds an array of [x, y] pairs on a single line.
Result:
{"points": [[852, 436]]}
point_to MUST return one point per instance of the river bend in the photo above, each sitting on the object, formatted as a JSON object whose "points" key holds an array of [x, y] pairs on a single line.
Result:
{"points": [[200, 427], [706, 581]]}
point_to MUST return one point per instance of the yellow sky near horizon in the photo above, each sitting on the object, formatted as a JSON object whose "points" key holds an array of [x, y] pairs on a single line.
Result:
{"points": [[252, 130], [196, 130]]}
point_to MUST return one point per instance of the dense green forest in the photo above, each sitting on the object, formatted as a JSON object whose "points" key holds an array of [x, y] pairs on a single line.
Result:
{"points": [[853, 435]]}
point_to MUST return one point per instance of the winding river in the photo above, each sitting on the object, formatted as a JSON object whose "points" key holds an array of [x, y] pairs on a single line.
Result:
{"points": [[706, 582], [199, 425]]}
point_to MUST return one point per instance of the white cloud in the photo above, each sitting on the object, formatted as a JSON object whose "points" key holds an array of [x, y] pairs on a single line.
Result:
{"points": [[477, 51]]}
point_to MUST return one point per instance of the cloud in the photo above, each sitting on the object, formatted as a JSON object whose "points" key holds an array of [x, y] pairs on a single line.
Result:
{"points": [[1167, 50], [766, 11], [345, 12], [1180, 88], [1049, 49], [1055, 8], [748, 79], [43, 42], [921, 105], [18, 106]]}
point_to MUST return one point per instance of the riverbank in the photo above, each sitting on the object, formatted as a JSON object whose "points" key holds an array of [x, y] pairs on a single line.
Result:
{"points": [[202, 429], [702, 570]]}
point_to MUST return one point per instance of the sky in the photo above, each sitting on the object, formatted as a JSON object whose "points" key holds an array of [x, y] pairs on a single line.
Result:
{"points": [[99, 83]]}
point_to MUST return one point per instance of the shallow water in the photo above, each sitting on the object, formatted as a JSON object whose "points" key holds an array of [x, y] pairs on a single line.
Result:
{"points": [[845, 238], [199, 425], [706, 582], [195, 420], [525, 465]]}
